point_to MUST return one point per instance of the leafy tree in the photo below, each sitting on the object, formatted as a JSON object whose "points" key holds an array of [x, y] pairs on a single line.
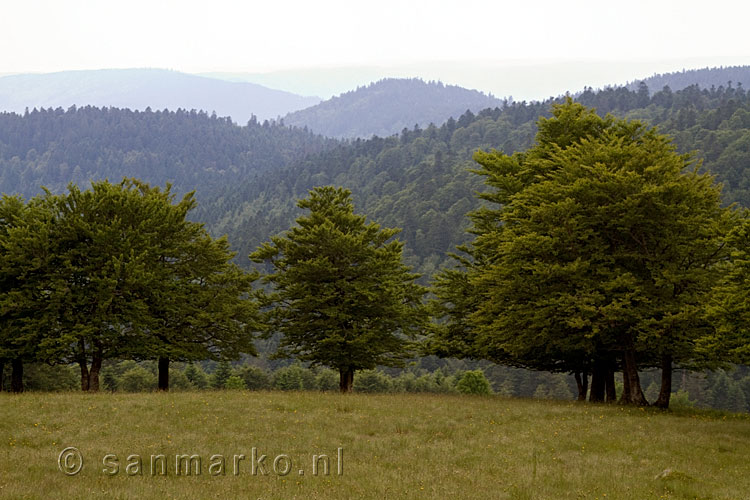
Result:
{"points": [[25, 256], [730, 308], [600, 250], [131, 277], [341, 295]]}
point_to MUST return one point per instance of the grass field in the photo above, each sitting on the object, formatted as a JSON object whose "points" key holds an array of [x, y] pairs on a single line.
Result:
{"points": [[393, 446]]}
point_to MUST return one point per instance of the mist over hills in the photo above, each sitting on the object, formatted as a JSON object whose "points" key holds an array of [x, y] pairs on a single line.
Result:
{"points": [[388, 106], [138, 89]]}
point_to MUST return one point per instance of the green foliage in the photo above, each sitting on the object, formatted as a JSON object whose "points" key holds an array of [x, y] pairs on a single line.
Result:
{"points": [[235, 382], [327, 380], [255, 378], [341, 295], [222, 373], [373, 381], [293, 378], [179, 381], [474, 382], [42, 377], [137, 379], [597, 240], [197, 377]]}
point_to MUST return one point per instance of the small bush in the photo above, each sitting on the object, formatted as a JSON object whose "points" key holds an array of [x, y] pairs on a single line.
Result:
{"points": [[372, 381], [293, 378], [137, 379], [256, 379], [474, 382], [327, 380], [234, 383]]}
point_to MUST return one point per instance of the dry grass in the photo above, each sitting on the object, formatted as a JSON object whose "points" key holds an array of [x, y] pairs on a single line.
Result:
{"points": [[394, 446]]}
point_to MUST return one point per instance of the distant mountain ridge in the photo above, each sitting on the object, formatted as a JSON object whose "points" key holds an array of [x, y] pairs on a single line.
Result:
{"points": [[139, 89], [705, 78], [388, 106]]}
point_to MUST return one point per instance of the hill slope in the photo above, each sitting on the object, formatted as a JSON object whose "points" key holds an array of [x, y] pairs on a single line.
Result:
{"points": [[142, 88], [388, 106], [419, 181], [188, 149]]}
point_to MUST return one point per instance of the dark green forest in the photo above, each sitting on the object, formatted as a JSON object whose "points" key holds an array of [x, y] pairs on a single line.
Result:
{"points": [[190, 149], [249, 178], [419, 180]]}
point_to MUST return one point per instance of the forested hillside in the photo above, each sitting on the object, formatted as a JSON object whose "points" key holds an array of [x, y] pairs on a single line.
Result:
{"points": [[190, 149], [249, 177], [388, 106], [420, 180]]}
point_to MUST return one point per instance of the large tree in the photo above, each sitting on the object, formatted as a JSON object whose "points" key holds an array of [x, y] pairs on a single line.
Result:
{"points": [[597, 250], [24, 262], [341, 296], [132, 277]]}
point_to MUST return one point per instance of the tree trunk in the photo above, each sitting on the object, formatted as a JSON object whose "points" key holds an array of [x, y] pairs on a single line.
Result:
{"points": [[90, 376], [666, 382], [16, 376], [634, 395], [84, 375], [598, 378], [164, 374], [96, 366], [609, 383], [625, 386], [346, 379], [582, 382], [2, 376]]}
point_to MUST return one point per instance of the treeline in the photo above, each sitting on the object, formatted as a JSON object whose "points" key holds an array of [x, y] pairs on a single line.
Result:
{"points": [[189, 149]]}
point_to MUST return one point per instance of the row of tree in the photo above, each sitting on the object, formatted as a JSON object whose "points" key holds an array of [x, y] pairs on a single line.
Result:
{"points": [[116, 271], [598, 250]]}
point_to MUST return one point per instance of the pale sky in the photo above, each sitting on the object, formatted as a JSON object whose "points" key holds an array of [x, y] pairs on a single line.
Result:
{"points": [[227, 36]]}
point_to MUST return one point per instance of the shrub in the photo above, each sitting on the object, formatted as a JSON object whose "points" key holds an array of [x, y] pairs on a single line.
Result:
{"points": [[293, 378], [474, 382], [234, 383], [327, 380], [256, 379], [372, 381], [137, 379]]}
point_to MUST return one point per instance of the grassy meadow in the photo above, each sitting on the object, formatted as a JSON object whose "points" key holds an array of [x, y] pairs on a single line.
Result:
{"points": [[393, 446]]}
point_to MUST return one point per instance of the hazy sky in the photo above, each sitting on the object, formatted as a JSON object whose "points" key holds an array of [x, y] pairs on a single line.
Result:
{"points": [[226, 36]]}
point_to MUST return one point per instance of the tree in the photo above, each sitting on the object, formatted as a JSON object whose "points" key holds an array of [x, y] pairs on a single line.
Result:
{"points": [[132, 277], [341, 295], [600, 251], [730, 309], [24, 260]]}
